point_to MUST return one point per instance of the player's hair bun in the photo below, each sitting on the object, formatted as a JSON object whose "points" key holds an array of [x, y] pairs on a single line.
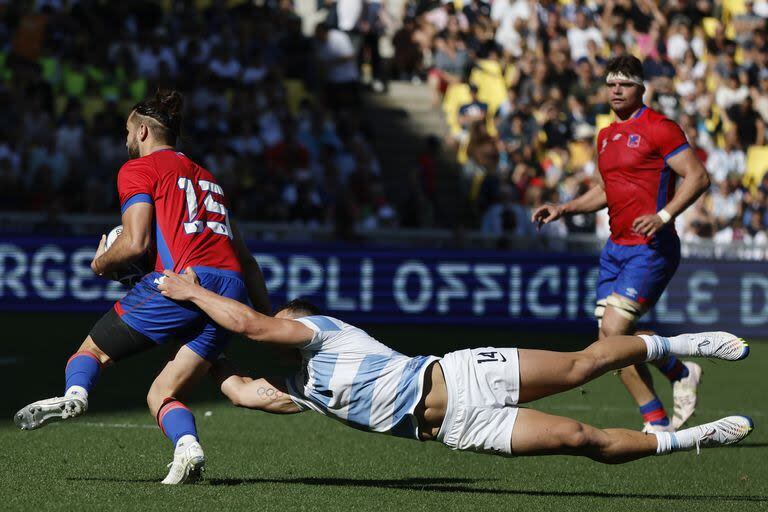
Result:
{"points": [[165, 108], [170, 102]]}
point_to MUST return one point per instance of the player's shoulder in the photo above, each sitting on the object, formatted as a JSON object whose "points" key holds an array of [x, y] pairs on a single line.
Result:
{"points": [[322, 323], [655, 118], [143, 163]]}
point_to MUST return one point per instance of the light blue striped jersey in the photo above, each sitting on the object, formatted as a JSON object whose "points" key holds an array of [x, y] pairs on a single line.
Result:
{"points": [[348, 375]]}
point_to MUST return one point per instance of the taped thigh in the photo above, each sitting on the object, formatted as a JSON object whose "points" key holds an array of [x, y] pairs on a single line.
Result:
{"points": [[625, 307]]}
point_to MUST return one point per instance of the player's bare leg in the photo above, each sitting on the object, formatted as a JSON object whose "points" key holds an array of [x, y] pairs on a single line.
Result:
{"points": [[538, 433], [636, 378], [544, 373], [81, 373], [174, 418]]}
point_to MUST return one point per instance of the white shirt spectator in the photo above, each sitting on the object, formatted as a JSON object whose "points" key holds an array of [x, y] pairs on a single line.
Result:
{"points": [[725, 207], [578, 39], [726, 97], [338, 46], [69, 139], [348, 13], [721, 163], [677, 46], [510, 39], [510, 11], [148, 61]]}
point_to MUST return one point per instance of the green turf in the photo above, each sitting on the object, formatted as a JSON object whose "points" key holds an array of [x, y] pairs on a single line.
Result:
{"points": [[114, 457]]}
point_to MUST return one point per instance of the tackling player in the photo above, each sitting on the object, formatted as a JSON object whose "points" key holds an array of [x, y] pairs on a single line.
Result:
{"points": [[640, 157], [467, 399], [171, 201]]}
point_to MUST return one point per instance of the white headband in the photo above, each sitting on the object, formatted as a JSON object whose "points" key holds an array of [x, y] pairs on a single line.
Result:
{"points": [[621, 77]]}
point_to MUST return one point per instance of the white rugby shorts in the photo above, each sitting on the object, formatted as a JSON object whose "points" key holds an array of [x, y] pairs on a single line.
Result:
{"points": [[483, 389]]}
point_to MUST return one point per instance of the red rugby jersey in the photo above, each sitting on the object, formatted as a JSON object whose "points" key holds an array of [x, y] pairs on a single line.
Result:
{"points": [[632, 158], [191, 221]]}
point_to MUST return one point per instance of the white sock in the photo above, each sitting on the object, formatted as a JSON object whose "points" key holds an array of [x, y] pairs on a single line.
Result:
{"points": [[657, 347], [682, 345], [666, 442], [185, 440], [77, 391]]}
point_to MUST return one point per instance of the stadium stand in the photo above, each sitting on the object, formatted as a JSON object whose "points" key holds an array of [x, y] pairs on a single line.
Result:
{"points": [[260, 116], [706, 65]]}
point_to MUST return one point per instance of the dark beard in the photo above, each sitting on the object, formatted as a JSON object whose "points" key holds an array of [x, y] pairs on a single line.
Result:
{"points": [[133, 151]]}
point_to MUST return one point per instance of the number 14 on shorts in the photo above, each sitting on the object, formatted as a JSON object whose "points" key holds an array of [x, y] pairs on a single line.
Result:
{"points": [[490, 357]]}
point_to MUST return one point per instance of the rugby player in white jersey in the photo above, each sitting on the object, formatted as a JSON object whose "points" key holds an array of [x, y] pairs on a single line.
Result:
{"points": [[467, 399]]}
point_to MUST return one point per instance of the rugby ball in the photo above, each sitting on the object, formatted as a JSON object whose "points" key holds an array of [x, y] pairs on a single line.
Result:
{"points": [[133, 272]]}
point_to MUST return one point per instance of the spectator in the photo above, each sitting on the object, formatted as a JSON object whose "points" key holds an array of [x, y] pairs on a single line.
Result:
{"points": [[474, 111], [338, 61], [451, 62]]}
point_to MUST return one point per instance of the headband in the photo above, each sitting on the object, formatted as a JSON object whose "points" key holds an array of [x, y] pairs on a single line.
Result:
{"points": [[619, 76]]}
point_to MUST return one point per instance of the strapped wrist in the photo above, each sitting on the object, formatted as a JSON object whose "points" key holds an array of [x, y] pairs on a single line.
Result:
{"points": [[664, 215]]}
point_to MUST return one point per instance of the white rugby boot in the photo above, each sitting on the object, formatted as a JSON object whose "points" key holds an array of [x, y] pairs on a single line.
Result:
{"points": [[40, 413], [716, 345], [188, 464], [685, 394], [725, 431]]}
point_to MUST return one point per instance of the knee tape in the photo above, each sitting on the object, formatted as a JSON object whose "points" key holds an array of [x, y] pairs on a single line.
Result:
{"points": [[599, 311], [624, 307]]}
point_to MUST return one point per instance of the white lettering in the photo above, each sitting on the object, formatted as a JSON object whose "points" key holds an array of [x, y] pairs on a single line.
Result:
{"points": [[400, 283], [515, 291], [456, 288], [666, 315], [49, 285], [334, 300], [748, 315], [273, 271], [366, 285], [12, 278], [81, 272], [701, 297], [490, 287], [298, 287], [551, 277]]}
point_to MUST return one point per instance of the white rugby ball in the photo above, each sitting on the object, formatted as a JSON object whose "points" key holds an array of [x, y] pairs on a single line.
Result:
{"points": [[112, 236], [133, 272]]}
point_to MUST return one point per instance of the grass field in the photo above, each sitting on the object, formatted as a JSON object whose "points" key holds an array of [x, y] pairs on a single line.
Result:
{"points": [[114, 457]]}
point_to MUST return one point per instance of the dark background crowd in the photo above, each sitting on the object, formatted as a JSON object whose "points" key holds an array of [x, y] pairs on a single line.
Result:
{"points": [[274, 104]]}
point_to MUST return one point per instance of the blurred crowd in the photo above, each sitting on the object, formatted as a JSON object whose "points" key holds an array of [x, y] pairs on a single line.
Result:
{"points": [[274, 112], [270, 111], [520, 82]]}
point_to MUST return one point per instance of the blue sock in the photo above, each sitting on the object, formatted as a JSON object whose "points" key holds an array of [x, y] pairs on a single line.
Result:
{"points": [[176, 420], [82, 370], [653, 412], [674, 369]]}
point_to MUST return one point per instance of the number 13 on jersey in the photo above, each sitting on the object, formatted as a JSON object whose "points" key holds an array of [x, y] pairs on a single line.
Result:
{"points": [[198, 221]]}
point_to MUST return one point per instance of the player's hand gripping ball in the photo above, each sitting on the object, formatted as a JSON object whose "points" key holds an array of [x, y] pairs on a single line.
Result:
{"points": [[133, 272]]}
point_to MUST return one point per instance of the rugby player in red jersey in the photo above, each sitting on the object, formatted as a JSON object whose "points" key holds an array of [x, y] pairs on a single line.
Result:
{"points": [[640, 156], [171, 202]]}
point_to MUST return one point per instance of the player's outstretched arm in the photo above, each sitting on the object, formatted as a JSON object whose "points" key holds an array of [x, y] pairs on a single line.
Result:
{"points": [[254, 279], [266, 395], [593, 200], [695, 182], [233, 315], [132, 242]]}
